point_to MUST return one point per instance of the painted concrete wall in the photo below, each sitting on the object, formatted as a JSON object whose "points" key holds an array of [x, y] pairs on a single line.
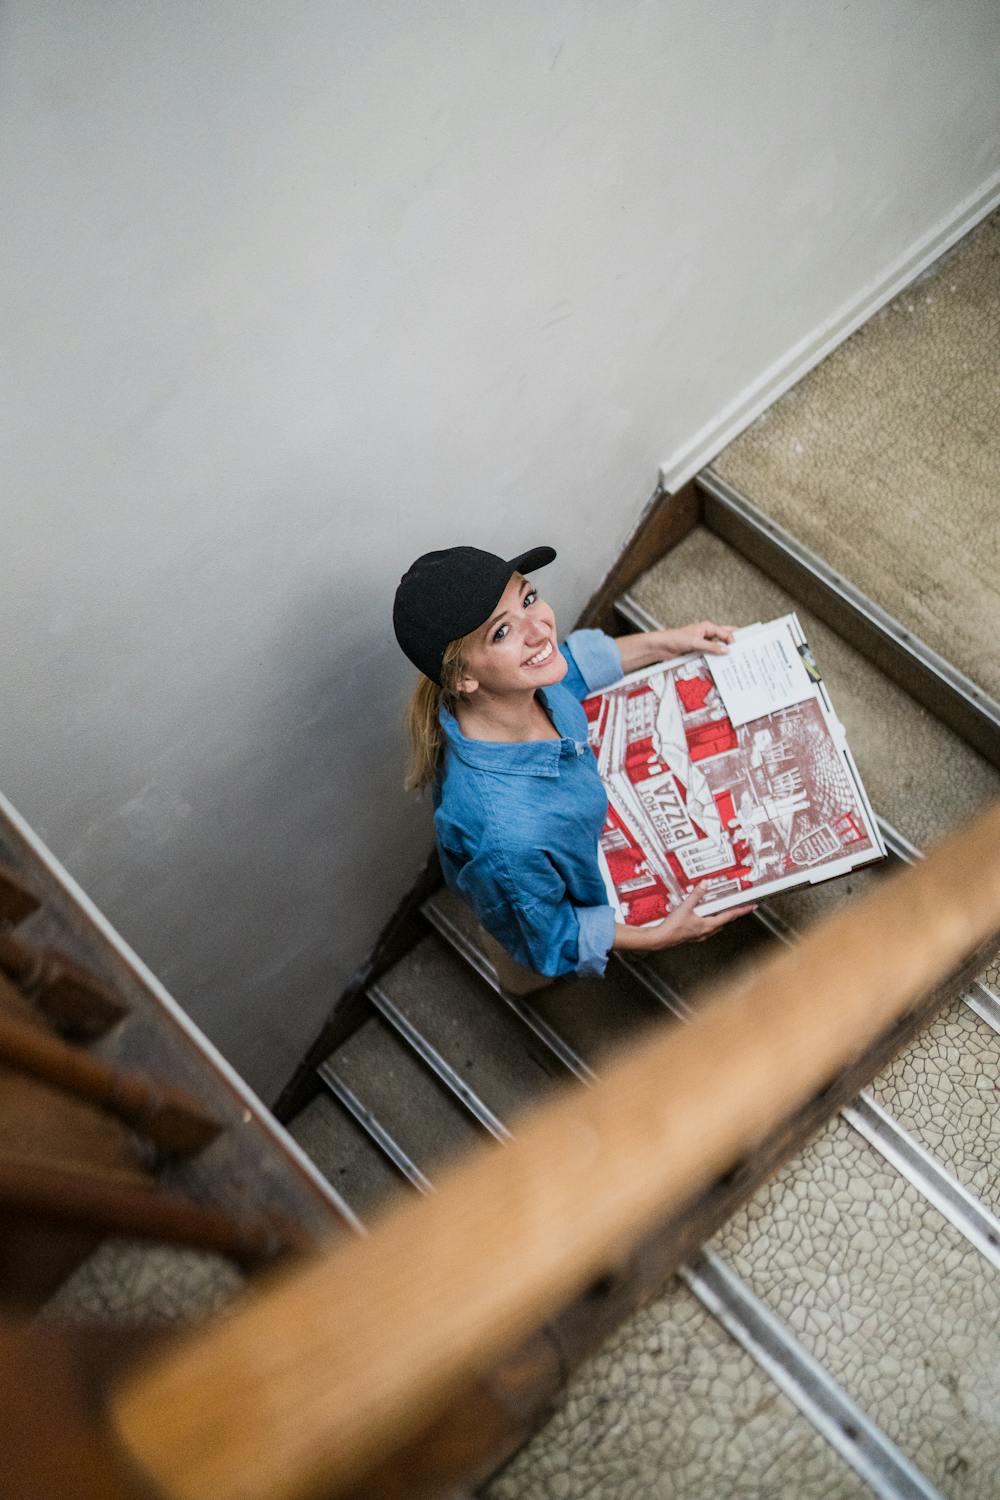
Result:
{"points": [[294, 292]]}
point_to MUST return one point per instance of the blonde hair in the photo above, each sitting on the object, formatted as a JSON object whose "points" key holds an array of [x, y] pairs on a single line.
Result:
{"points": [[422, 723]]}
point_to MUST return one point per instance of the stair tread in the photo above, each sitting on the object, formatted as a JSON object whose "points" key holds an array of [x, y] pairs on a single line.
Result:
{"points": [[594, 1015], [878, 1287], [883, 459], [345, 1155], [901, 750], [801, 907], [944, 1088], [670, 1407], [691, 967], [389, 1079], [460, 1015]]}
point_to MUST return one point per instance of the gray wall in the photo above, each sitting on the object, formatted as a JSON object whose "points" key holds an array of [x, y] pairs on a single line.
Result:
{"points": [[296, 291]]}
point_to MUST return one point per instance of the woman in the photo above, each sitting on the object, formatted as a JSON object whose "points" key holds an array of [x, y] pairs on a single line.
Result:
{"points": [[497, 729]]}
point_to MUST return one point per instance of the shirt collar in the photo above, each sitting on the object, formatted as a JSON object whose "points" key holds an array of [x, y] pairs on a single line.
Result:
{"points": [[519, 758]]}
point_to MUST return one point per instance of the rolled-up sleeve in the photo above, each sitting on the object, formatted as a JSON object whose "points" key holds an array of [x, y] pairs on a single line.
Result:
{"points": [[594, 662], [597, 934], [534, 919]]}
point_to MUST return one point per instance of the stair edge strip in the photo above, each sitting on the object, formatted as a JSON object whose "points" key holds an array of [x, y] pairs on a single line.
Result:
{"points": [[438, 1065], [931, 678], [962, 1209], [377, 1132], [822, 1401], [525, 1012]]}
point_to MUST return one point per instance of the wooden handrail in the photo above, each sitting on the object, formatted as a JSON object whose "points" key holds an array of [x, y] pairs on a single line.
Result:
{"points": [[295, 1394]]}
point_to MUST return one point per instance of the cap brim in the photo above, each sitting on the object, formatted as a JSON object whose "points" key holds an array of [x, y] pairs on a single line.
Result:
{"points": [[528, 562]]}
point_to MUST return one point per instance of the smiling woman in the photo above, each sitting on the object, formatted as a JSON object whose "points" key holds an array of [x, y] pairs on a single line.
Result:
{"points": [[497, 731]]}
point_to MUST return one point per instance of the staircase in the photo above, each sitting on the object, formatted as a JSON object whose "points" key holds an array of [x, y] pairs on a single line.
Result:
{"points": [[141, 1182], [837, 1333]]}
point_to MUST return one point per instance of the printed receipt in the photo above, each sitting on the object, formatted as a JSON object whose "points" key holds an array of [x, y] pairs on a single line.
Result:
{"points": [[762, 673]]}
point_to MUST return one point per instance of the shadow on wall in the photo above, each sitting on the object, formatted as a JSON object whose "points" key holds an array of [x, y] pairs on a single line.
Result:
{"points": [[274, 835]]}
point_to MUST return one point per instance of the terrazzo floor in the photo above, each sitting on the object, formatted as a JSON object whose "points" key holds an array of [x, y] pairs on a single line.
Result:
{"points": [[673, 1409]]}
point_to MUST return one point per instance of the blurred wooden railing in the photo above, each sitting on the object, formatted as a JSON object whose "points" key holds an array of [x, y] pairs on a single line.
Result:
{"points": [[306, 1387]]}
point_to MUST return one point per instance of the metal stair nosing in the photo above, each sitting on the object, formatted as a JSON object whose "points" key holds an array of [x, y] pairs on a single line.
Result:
{"points": [[923, 672], [438, 1064], [844, 1424], [386, 1142], [526, 1013]]}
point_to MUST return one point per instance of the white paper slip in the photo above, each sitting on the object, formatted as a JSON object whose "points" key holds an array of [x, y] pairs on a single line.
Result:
{"points": [[763, 672]]}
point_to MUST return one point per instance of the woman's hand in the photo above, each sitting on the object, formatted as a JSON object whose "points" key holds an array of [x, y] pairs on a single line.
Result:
{"points": [[650, 646], [703, 636], [684, 925]]}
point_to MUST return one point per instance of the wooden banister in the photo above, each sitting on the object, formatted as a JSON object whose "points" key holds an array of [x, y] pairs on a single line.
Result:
{"points": [[67, 993], [17, 900], [171, 1118], [295, 1394], [112, 1203]]}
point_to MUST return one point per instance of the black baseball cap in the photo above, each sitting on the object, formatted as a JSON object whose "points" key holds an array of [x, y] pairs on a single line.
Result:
{"points": [[445, 595]]}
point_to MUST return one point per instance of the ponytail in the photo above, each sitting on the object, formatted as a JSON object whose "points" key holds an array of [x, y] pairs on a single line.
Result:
{"points": [[422, 723]]}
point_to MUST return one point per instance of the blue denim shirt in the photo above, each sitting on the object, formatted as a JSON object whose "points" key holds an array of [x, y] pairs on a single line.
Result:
{"points": [[517, 825]]}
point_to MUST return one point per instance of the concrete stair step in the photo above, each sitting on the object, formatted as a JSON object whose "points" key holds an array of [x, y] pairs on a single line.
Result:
{"points": [[345, 1155], [918, 773], [406, 1100], [883, 459], [929, 676], [887, 1296], [691, 967], [593, 1015], [467, 1023]]}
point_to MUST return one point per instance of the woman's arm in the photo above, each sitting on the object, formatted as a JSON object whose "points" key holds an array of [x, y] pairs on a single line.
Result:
{"points": [[683, 925], [659, 645]]}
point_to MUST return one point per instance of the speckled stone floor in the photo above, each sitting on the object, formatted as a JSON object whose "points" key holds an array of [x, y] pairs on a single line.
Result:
{"points": [[131, 1281], [945, 1090], [885, 459], [897, 1306], [672, 1409]]}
